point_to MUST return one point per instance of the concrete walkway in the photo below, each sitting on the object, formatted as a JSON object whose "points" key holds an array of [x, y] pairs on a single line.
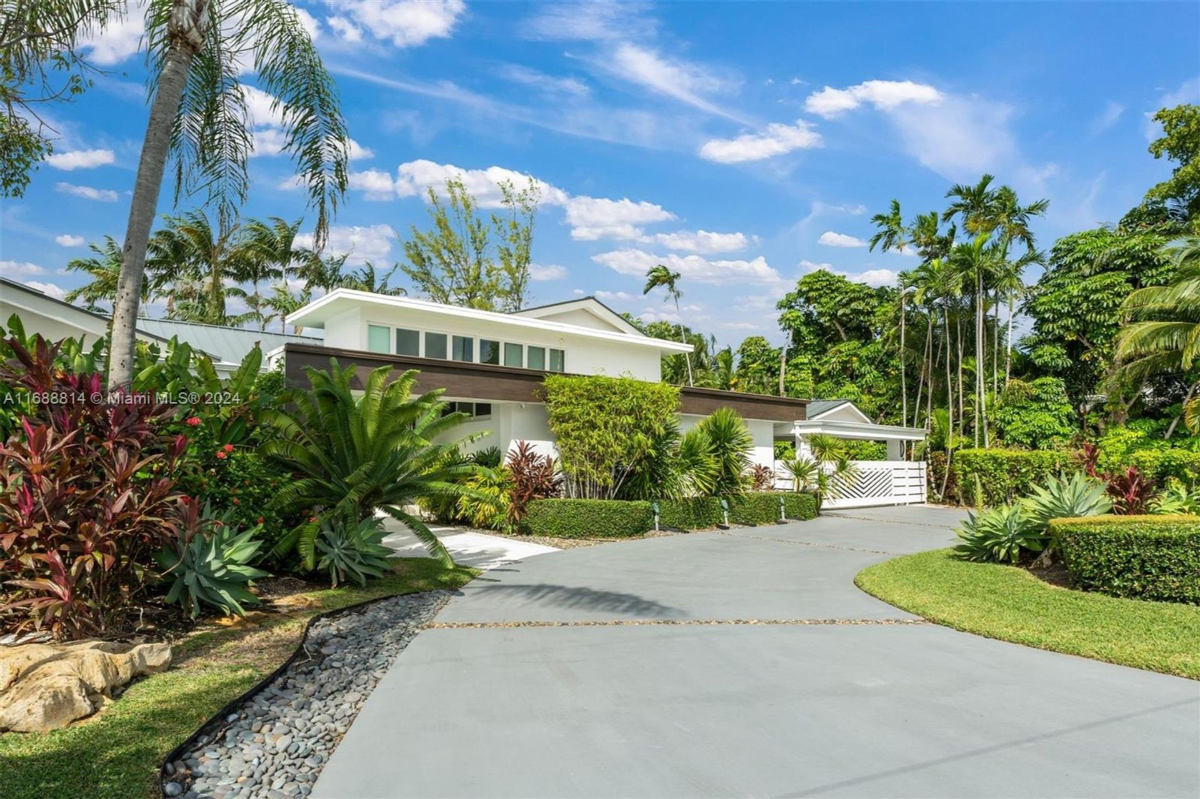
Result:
{"points": [[467, 548], [633, 669]]}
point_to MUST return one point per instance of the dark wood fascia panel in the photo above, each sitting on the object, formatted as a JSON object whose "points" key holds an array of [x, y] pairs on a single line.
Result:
{"points": [[483, 381]]}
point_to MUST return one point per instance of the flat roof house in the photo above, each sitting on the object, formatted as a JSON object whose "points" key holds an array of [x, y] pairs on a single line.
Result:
{"points": [[492, 364]]}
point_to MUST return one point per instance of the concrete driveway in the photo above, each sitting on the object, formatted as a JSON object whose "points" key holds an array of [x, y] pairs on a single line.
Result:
{"points": [[747, 664]]}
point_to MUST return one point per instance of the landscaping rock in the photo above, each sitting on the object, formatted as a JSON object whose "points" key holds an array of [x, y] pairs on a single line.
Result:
{"points": [[44, 687], [278, 741]]}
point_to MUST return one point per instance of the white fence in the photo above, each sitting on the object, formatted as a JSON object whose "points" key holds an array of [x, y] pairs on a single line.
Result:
{"points": [[876, 483]]}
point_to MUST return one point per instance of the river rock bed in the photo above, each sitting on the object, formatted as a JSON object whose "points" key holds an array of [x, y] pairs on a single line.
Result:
{"points": [[276, 744]]}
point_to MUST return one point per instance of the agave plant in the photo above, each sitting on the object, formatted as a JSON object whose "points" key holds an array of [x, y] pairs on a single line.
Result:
{"points": [[354, 455], [210, 562], [1066, 498], [999, 535], [1176, 500], [351, 549]]}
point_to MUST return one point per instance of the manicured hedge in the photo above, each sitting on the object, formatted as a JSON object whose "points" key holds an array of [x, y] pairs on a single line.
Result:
{"points": [[1162, 464], [1004, 474], [759, 507], [587, 518], [1142, 557]]}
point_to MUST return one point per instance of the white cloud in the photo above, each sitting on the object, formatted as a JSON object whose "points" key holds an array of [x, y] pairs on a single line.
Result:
{"points": [[692, 267], [375, 183], [593, 218], [740, 326], [309, 23], [814, 266], [600, 20], [80, 159], [653, 315], [1188, 92], [885, 95], [87, 192], [403, 23], [702, 241], [546, 83], [614, 295], [680, 80], [358, 152], [361, 243], [269, 142], [775, 139], [831, 239], [1112, 112], [67, 240], [17, 270], [875, 277], [49, 289], [120, 38], [414, 178], [260, 107], [547, 272]]}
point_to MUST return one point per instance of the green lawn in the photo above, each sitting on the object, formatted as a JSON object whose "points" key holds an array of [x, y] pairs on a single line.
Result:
{"points": [[1010, 604], [116, 754]]}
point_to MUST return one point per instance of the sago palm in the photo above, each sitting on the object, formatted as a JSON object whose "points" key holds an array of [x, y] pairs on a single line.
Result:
{"points": [[355, 455], [196, 50]]}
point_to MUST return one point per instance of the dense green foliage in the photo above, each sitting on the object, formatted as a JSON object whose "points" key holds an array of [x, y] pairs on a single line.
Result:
{"points": [[1011, 604], [1035, 415], [1144, 557], [588, 518], [209, 562], [1004, 474]]}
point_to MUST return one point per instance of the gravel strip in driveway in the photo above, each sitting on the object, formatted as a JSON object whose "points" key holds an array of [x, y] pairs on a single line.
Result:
{"points": [[277, 743]]}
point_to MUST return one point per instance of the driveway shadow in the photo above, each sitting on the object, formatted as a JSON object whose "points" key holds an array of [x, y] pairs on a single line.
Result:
{"points": [[502, 595]]}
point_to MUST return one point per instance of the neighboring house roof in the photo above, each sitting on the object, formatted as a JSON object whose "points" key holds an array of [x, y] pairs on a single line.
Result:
{"points": [[226, 344], [54, 318], [321, 310], [561, 311], [820, 408]]}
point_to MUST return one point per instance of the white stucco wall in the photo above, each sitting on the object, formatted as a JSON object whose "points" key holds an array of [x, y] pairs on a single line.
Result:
{"points": [[583, 355], [578, 316]]}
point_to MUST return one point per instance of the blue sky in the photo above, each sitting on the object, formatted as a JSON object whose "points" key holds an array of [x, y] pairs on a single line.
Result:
{"points": [[743, 144]]}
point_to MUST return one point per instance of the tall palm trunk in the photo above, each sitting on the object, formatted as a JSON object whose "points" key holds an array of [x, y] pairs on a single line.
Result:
{"points": [[904, 366], [687, 355], [996, 343], [949, 404], [151, 165], [962, 413], [1008, 351]]}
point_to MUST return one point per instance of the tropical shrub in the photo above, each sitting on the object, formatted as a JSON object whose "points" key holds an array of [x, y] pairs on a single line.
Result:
{"points": [[1142, 557], [350, 456], [208, 564], [1003, 475], [1168, 464], [588, 518], [699, 513], [762, 478], [1036, 415], [729, 441], [690, 513], [86, 499], [605, 427], [485, 503], [801, 507], [531, 475], [673, 466], [1131, 491], [757, 508], [351, 549], [1001, 534], [1176, 500], [804, 472], [488, 457]]}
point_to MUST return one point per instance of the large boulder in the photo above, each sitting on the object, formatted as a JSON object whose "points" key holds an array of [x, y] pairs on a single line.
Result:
{"points": [[44, 687]]}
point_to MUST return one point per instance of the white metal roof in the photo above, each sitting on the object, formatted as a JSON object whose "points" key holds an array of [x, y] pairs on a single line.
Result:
{"points": [[319, 311]]}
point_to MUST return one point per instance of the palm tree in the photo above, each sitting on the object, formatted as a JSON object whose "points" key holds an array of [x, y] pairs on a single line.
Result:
{"points": [[1164, 332], [893, 235], [204, 265], [198, 114], [104, 269], [975, 205], [284, 303], [367, 280], [269, 253], [658, 276], [977, 260], [351, 456]]}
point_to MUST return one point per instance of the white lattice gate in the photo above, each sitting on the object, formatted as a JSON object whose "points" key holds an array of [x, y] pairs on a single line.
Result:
{"points": [[880, 483]]}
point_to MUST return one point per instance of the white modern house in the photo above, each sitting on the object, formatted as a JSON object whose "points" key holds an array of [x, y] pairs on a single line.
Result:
{"points": [[491, 366]]}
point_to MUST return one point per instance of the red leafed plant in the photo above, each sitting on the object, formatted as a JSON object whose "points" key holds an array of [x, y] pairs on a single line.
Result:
{"points": [[762, 478], [86, 500], [1131, 491], [531, 476]]}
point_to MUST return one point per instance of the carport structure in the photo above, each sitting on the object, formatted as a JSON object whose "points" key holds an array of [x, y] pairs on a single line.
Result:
{"points": [[895, 481]]}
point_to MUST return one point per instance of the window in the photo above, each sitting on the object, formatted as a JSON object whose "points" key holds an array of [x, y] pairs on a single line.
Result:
{"points": [[408, 342], [483, 409], [537, 357], [489, 351], [435, 345], [471, 409], [379, 339], [464, 348], [556, 361], [514, 354]]}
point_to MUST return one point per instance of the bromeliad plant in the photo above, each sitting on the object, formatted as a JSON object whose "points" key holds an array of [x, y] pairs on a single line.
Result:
{"points": [[209, 562], [350, 456]]}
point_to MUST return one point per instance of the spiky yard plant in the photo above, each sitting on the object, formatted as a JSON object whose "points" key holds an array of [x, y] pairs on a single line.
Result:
{"points": [[209, 562], [355, 455], [1066, 498], [729, 441], [1002, 534], [351, 549]]}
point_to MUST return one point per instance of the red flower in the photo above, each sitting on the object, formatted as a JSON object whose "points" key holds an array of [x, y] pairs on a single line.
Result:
{"points": [[228, 448], [193, 421], [235, 501], [220, 454], [260, 520]]}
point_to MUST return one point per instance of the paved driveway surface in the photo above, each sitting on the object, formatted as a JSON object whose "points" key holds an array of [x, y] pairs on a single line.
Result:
{"points": [[633, 676]]}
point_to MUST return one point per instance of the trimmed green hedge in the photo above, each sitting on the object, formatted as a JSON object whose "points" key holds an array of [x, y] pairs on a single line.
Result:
{"points": [[1162, 464], [1004, 474], [1142, 557], [614, 518], [588, 518]]}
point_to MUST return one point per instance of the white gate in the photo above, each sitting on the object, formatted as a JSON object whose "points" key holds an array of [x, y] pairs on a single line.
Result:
{"points": [[880, 483]]}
